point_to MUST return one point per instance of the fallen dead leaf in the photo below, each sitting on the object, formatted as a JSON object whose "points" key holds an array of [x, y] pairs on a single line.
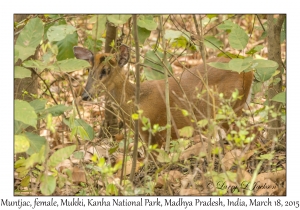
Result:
{"points": [[232, 155], [274, 176], [127, 167], [194, 150], [172, 177], [65, 164], [189, 192], [100, 151], [244, 176], [187, 181], [119, 137], [78, 175]]}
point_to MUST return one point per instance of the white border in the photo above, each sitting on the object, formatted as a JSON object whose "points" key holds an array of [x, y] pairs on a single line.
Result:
{"points": [[8, 8]]}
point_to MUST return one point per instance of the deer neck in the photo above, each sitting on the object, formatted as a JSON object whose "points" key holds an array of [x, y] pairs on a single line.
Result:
{"points": [[123, 93]]}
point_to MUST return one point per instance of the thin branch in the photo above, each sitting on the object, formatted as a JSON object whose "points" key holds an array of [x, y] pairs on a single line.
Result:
{"points": [[167, 89], [137, 96], [74, 97]]}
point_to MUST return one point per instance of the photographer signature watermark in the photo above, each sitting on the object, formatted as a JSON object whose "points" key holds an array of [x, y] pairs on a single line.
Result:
{"points": [[245, 185]]}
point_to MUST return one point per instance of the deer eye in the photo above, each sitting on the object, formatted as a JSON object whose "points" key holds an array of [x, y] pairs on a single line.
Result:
{"points": [[104, 71]]}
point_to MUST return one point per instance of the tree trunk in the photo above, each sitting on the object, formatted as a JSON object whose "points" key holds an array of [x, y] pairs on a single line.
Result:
{"points": [[274, 53], [110, 125]]}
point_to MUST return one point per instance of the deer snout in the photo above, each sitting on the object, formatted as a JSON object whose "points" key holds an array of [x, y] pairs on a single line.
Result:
{"points": [[85, 96]]}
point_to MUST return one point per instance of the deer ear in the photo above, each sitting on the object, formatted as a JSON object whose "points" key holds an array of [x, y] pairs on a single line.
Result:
{"points": [[124, 55], [82, 53]]}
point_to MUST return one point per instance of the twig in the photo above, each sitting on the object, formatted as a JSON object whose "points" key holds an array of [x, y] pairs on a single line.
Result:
{"points": [[137, 96]]}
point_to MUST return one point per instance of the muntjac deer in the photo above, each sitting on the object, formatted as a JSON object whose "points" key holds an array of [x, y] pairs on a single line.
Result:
{"points": [[107, 74]]}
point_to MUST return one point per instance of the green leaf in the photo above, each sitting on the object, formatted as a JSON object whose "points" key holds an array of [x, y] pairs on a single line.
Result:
{"points": [[207, 20], [36, 64], [153, 67], [36, 142], [172, 34], [65, 46], [48, 184], [163, 157], [29, 38], [19, 127], [35, 158], [255, 49], [70, 65], [228, 54], [264, 35], [21, 143], [239, 65], [219, 65], [268, 156], [210, 16], [257, 87], [78, 155], [82, 133], [60, 155], [38, 104], [118, 19], [86, 132], [55, 110], [283, 32], [57, 33], [227, 25], [16, 55], [100, 25], [135, 116], [147, 22], [202, 123], [25, 113], [143, 34], [264, 69], [280, 97], [184, 112], [212, 42], [238, 38], [186, 131], [92, 44], [60, 21], [24, 52], [21, 72], [25, 181]]}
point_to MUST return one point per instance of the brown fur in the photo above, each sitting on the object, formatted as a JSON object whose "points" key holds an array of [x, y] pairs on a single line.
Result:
{"points": [[152, 93]]}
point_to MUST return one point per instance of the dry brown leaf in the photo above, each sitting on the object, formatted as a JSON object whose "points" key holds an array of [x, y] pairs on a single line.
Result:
{"points": [[127, 167], [185, 182], [78, 175], [274, 176], [244, 176], [188, 181], [232, 155], [193, 150], [189, 192], [172, 177], [65, 164], [119, 137], [100, 151], [113, 180]]}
